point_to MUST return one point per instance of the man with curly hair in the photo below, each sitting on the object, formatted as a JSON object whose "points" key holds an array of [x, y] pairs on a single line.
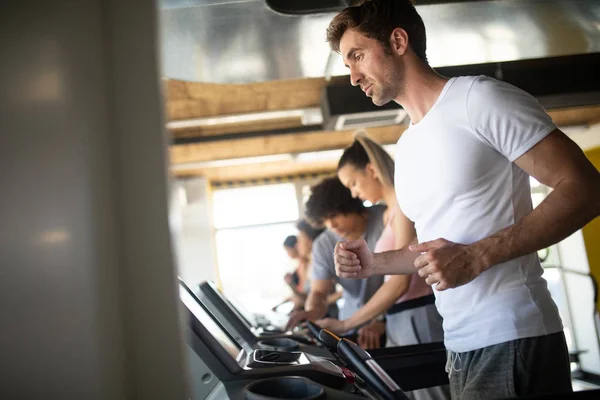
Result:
{"points": [[462, 173], [331, 205]]}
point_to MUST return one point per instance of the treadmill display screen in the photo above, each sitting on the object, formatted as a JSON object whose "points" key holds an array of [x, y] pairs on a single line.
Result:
{"points": [[209, 324], [240, 313]]}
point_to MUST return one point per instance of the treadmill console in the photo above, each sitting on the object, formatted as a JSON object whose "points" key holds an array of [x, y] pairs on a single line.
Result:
{"points": [[222, 337], [217, 359]]}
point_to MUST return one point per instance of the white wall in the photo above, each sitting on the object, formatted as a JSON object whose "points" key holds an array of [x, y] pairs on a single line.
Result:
{"points": [[87, 290], [194, 241]]}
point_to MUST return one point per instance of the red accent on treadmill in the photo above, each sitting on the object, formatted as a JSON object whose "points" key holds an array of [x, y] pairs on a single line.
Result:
{"points": [[348, 374]]}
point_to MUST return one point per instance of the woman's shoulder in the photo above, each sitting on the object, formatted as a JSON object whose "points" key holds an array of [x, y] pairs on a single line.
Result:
{"points": [[390, 213]]}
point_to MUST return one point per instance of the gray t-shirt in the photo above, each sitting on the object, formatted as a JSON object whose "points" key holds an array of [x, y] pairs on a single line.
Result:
{"points": [[356, 291]]}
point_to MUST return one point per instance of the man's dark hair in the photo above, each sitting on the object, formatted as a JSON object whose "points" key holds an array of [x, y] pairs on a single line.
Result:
{"points": [[329, 198], [310, 231], [377, 19], [290, 241]]}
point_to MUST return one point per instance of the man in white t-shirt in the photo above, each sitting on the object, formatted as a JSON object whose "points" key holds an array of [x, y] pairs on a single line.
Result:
{"points": [[462, 178]]}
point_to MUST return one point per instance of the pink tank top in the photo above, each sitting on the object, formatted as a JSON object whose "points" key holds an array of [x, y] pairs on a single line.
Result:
{"points": [[387, 241]]}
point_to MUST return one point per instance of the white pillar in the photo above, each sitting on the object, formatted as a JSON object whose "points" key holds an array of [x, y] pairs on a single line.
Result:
{"points": [[87, 282]]}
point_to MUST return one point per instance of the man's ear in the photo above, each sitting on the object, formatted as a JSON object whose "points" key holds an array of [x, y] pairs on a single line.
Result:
{"points": [[399, 41]]}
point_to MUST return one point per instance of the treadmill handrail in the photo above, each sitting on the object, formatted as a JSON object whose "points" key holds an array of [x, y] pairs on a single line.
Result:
{"points": [[367, 368]]}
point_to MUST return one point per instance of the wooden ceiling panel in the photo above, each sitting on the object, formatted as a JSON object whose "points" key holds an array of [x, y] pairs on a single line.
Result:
{"points": [[575, 115], [260, 171], [246, 127], [174, 90], [277, 144], [196, 99]]}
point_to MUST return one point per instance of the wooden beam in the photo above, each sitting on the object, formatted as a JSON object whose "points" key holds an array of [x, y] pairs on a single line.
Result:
{"points": [[593, 123], [279, 144], [575, 115], [223, 129], [260, 171], [195, 99]]}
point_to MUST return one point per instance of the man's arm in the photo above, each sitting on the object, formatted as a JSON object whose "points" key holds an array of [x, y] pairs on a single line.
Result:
{"points": [[384, 298], [390, 291], [555, 161], [316, 303], [355, 260], [402, 262], [334, 297], [395, 286]]}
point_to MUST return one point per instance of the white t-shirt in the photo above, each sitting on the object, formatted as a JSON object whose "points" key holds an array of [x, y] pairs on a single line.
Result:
{"points": [[455, 179]]}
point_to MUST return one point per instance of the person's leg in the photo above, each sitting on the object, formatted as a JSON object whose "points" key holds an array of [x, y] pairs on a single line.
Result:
{"points": [[426, 323], [399, 331], [414, 326], [417, 326], [433, 393], [455, 386], [483, 374], [524, 367], [542, 365], [456, 375]]}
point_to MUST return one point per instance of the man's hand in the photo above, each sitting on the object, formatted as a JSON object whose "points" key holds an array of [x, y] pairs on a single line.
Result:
{"points": [[447, 264], [333, 325], [353, 259], [369, 336], [296, 317]]}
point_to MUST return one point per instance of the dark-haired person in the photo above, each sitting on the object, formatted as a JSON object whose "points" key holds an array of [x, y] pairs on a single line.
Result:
{"points": [[462, 176], [298, 279], [331, 205], [408, 302], [289, 244], [307, 234]]}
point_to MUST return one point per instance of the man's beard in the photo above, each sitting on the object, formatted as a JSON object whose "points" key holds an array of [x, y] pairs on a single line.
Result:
{"points": [[388, 92], [384, 96]]}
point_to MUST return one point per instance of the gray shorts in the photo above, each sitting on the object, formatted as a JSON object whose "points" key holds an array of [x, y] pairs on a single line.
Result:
{"points": [[523, 367], [416, 326]]}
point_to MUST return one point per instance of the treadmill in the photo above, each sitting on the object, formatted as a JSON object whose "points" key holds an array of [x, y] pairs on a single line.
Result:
{"points": [[222, 369], [252, 337], [412, 367]]}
